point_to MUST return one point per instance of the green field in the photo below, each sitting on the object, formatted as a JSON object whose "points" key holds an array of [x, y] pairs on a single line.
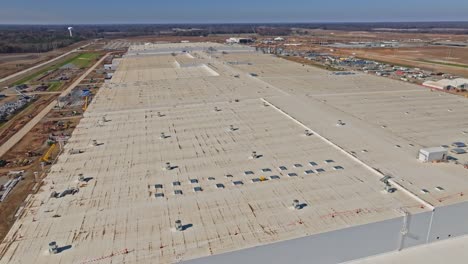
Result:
{"points": [[446, 63], [84, 60], [54, 86], [80, 61]]}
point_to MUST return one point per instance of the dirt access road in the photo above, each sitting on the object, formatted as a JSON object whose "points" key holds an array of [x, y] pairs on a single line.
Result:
{"points": [[26, 128], [40, 65]]}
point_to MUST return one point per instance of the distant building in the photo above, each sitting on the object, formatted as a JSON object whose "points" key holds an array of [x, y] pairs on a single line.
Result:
{"points": [[451, 43], [239, 40], [447, 84]]}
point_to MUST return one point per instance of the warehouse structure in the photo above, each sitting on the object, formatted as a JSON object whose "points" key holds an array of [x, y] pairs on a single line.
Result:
{"points": [[205, 153], [448, 84]]}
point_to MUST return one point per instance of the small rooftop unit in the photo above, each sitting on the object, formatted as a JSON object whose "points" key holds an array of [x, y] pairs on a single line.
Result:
{"points": [[432, 154]]}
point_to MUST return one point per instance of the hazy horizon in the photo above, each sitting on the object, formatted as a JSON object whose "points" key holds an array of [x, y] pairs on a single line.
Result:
{"points": [[231, 23], [86, 12]]}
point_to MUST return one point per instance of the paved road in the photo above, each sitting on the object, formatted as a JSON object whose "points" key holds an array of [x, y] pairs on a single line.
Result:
{"points": [[24, 130], [39, 65]]}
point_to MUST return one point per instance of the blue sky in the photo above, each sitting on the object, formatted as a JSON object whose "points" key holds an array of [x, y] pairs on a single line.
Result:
{"points": [[217, 11]]}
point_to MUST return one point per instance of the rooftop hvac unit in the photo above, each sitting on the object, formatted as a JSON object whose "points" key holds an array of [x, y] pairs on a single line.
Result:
{"points": [[435, 154], [53, 247]]}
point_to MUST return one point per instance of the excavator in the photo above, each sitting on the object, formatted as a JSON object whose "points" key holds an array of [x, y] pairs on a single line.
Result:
{"points": [[46, 157], [85, 106]]}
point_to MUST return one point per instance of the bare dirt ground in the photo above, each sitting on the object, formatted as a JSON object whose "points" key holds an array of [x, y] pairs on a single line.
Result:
{"points": [[20, 119], [16, 123], [33, 141], [337, 35], [452, 60], [15, 62]]}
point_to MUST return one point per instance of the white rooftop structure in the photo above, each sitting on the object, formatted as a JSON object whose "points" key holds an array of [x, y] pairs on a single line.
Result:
{"points": [[448, 83], [432, 154], [295, 164]]}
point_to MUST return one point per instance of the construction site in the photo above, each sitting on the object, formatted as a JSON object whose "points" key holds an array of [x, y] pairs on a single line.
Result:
{"points": [[212, 153], [36, 123]]}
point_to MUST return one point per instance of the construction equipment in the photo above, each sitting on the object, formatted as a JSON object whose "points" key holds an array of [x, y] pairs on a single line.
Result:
{"points": [[71, 190], [21, 94], [47, 155], [85, 106]]}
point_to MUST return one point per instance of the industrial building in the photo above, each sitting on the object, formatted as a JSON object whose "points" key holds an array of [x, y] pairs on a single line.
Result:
{"points": [[239, 40], [448, 84], [210, 153]]}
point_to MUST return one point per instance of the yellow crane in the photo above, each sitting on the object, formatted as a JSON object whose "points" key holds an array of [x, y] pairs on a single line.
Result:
{"points": [[85, 106], [48, 153]]}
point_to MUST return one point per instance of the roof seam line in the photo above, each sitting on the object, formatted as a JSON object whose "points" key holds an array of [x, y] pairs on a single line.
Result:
{"points": [[376, 172]]}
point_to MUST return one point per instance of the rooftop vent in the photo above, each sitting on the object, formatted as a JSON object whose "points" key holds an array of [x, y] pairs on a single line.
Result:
{"points": [[193, 181], [168, 166], [216, 109], [53, 247], [266, 170], [309, 172], [283, 168], [178, 225], [292, 174], [75, 151], [308, 133], [178, 192], [388, 186], [254, 155], [81, 177], [197, 189], [297, 165], [298, 205], [176, 183], [220, 186], [159, 195], [158, 186], [311, 163], [275, 177], [238, 183]]}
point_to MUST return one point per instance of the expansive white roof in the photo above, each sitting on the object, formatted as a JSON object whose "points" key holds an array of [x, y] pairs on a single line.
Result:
{"points": [[385, 123]]}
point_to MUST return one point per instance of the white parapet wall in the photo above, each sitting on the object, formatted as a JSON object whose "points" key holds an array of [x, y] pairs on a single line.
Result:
{"points": [[335, 246], [355, 242]]}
